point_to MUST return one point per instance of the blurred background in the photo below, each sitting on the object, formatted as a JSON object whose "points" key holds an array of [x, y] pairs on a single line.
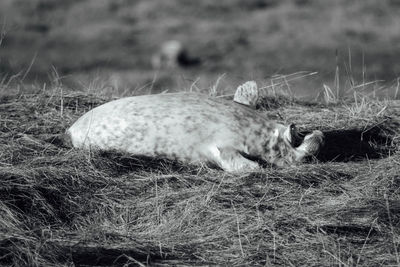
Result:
{"points": [[123, 45]]}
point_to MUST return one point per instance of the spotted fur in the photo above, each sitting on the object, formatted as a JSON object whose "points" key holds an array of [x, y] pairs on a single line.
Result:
{"points": [[191, 128]]}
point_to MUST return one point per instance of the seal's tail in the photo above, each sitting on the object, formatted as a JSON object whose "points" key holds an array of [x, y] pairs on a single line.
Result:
{"points": [[61, 140]]}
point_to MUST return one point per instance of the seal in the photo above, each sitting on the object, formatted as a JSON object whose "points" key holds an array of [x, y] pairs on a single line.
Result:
{"points": [[194, 128]]}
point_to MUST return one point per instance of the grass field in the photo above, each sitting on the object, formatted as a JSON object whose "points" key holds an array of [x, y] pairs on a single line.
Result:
{"points": [[62, 207]]}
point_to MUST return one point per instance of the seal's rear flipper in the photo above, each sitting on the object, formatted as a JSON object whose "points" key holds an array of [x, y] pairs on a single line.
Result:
{"points": [[247, 94], [231, 160], [61, 140]]}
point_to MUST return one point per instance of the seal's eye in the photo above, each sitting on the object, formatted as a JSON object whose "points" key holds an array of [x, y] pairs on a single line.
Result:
{"points": [[294, 137]]}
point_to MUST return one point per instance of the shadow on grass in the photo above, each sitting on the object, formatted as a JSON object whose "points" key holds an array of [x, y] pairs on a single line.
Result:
{"points": [[124, 163], [355, 145]]}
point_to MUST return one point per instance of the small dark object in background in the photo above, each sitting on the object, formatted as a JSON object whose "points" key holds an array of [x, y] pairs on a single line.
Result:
{"points": [[186, 60], [173, 54]]}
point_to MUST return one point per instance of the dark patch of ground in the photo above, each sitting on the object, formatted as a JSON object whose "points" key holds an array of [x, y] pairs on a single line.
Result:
{"points": [[356, 144]]}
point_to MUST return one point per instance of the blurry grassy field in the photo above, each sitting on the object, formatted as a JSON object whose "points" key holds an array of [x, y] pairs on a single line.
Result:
{"points": [[252, 39]]}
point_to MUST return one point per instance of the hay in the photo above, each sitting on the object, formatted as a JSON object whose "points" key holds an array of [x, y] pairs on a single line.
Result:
{"points": [[60, 206]]}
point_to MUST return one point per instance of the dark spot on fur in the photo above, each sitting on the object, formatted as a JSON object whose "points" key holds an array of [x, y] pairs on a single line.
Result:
{"points": [[257, 133], [275, 147]]}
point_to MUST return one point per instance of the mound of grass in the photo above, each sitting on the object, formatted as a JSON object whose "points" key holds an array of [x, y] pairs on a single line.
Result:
{"points": [[60, 206]]}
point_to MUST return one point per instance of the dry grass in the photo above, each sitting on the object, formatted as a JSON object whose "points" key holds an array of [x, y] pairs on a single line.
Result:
{"points": [[61, 206]]}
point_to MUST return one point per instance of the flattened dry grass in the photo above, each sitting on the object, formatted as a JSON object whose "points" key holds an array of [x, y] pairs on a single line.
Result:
{"points": [[60, 206]]}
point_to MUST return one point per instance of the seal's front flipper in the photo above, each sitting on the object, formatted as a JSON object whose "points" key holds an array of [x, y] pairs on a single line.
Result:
{"points": [[230, 160], [247, 94]]}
